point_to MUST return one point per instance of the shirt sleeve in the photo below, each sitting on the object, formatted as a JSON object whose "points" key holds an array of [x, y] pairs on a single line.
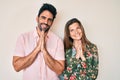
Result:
{"points": [[19, 48], [60, 54]]}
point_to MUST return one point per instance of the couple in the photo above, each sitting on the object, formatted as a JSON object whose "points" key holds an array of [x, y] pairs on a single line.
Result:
{"points": [[43, 56]]}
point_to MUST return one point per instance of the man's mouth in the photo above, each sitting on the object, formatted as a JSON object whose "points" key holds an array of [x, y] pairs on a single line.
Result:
{"points": [[44, 27]]}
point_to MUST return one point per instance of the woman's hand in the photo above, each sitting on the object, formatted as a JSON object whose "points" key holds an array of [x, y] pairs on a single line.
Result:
{"points": [[77, 45], [79, 50]]}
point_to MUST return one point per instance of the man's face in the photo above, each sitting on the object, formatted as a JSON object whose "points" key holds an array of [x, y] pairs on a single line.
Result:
{"points": [[45, 20]]}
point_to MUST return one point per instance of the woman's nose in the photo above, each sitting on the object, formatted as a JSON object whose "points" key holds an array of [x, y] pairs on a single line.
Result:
{"points": [[76, 31]]}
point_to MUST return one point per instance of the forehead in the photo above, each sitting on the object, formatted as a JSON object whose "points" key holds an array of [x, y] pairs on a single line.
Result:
{"points": [[47, 14], [74, 25]]}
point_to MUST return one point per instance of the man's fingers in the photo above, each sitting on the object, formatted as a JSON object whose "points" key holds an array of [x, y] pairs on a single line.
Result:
{"points": [[40, 33]]}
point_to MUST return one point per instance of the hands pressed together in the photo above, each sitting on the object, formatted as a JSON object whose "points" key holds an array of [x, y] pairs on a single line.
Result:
{"points": [[79, 50], [41, 45]]}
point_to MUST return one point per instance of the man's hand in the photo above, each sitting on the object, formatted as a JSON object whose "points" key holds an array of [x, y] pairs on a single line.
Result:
{"points": [[41, 45], [56, 65]]}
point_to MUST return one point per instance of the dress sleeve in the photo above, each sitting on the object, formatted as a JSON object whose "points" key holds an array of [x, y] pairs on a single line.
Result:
{"points": [[93, 68], [89, 67]]}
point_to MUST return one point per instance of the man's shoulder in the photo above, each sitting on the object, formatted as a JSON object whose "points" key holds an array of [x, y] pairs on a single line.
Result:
{"points": [[27, 34]]}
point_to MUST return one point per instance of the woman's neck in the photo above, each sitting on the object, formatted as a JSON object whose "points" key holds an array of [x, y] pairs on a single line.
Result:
{"points": [[77, 42]]}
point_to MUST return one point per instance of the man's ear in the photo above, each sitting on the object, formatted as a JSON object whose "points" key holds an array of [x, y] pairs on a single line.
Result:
{"points": [[37, 19]]}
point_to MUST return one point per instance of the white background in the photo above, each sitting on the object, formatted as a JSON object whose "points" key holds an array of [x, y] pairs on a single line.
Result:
{"points": [[100, 18]]}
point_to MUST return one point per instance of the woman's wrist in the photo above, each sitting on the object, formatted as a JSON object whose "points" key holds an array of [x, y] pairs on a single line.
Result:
{"points": [[83, 58]]}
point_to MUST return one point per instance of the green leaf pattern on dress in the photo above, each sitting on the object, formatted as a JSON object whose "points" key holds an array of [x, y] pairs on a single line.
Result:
{"points": [[76, 69]]}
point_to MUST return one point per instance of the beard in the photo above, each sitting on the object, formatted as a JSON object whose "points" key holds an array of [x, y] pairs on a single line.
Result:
{"points": [[44, 27]]}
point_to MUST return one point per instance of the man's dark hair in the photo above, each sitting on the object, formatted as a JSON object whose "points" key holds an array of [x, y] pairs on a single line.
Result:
{"points": [[48, 7]]}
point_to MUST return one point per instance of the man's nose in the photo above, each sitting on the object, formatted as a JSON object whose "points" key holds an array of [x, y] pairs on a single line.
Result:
{"points": [[46, 21]]}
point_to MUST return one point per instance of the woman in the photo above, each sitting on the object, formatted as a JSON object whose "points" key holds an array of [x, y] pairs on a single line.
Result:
{"points": [[81, 55]]}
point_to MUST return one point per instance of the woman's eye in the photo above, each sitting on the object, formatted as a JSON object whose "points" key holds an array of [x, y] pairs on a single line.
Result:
{"points": [[78, 27], [71, 30]]}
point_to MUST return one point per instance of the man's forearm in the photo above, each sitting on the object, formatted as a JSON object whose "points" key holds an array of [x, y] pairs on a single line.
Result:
{"points": [[20, 63], [56, 66]]}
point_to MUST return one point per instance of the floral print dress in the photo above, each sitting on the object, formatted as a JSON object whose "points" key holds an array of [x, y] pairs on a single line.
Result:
{"points": [[76, 69]]}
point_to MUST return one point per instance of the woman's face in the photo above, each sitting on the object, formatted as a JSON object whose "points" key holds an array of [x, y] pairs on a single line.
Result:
{"points": [[75, 31]]}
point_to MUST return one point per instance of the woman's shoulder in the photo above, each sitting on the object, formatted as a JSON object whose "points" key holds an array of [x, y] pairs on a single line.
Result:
{"points": [[68, 50], [91, 47]]}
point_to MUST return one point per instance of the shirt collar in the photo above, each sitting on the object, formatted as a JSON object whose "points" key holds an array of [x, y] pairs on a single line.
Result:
{"points": [[36, 35]]}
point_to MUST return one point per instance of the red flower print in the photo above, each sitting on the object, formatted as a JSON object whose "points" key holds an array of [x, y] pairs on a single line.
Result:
{"points": [[73, 77], [65, 78], [69, 69], [89, 54], [83, 64]]}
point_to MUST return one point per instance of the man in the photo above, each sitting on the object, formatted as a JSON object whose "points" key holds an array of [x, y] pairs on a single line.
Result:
{"points": [[40, 53]]}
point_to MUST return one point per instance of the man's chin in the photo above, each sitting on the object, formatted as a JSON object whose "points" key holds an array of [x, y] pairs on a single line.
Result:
{"points": [[44, 29]]}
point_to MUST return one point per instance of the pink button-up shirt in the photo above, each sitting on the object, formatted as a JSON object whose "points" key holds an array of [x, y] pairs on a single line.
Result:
{"points": [[39, 70]]}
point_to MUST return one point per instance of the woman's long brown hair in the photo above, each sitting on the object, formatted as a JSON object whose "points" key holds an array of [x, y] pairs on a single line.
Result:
{"points": [[68, 41]]}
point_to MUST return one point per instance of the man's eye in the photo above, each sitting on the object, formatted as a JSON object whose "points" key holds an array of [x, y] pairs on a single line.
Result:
{"points": [[50, 20], [43, 17]]}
